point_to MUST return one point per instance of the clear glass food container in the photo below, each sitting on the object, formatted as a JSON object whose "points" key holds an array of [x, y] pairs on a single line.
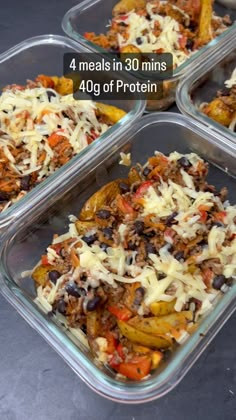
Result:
{"points": [[44, 54], [95, 15], [202, 84], [26, 240]]}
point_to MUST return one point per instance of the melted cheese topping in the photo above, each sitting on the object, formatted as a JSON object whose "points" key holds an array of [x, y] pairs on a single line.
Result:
{"points": [[142, 28], [232, 81], [118, 265], [28, 118]]}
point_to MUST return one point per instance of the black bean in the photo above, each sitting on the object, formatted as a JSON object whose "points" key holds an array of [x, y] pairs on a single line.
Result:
{"points": [[93, 303], [171, 219], [84, 328], [3, 196], [131, 246], [139, 40], [139, 227], [224, 92], [25, 183], [218, 281], [103, 214], [189, 44], [103, 246], [229, 281], [179, 255], [192, 26], [61, 306], [150, 234], [123, 24], [150, 248], [50, 94], [89, 239], [54, 275], [124, 188], [73, 290], [108, 232], [218, 224], [161, 275], [139, 294], [146, 171], [184, 162], [140, 291]]}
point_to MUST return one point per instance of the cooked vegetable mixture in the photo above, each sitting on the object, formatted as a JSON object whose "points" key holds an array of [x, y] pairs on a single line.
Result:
{"points": [[179, 27], [41, 128], [144, 260], [222, 108]]}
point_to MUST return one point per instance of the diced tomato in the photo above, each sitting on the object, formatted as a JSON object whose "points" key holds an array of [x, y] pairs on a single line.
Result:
{"points": [[207, 276], [142, 189], [92, 136], [220, 216], [203, 216], [54, 139], [46, 81], [124, 206], [136, 369], [123, 17], [111, 343], [113, 362], [120, 351], [44, 260], [123, 314], [169, 232]]}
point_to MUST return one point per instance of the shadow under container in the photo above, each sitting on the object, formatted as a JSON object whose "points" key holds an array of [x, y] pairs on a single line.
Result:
{"points": [[44, 55], [27, 239], [203, 84], [95, 15]]}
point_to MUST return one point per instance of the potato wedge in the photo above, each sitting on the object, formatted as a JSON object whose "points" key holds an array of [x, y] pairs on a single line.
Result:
{"points": [[162, 308], [219, 111], [205, 30], [161, 325], [112, 112], [125, 6], [40, 274], [93, 323], [139, 337], [103, 197]]}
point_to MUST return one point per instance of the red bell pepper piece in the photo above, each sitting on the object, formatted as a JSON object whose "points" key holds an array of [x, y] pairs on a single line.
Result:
{"points": [[142, 189], [203, 216], [220, 216], [136, 369], [111, 343], [123, 314], [124, 206], [44, 260]]}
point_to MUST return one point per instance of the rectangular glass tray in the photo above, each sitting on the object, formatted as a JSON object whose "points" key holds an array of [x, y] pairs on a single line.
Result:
{"points": [[94, 16], [26, 240], [44, 55]]}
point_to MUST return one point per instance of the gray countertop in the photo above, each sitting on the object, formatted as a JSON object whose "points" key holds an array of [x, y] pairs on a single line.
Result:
{"points": [[35, 383]]}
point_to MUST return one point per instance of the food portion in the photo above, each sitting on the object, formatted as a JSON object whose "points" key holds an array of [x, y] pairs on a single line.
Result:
{"points": [[41, 128], [179, 27], [142, 263], [222, 108]]}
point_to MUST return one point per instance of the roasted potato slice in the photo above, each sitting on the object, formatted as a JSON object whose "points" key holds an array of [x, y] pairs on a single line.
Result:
{"points": [[125, 6], [40, 274], [103, 197], [219, 111], [205, 30], [113, 113], [162, 308], [139, 337], [93, 323], [161, 325]]}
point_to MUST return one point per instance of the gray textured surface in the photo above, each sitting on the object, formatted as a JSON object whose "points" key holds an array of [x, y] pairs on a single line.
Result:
{"points": [[35, 384]]}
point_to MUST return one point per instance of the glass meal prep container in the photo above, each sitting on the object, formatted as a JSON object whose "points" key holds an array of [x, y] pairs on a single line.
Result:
{"points": [[44, 55], [27, 238], [203, 84], [95, 15]]}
